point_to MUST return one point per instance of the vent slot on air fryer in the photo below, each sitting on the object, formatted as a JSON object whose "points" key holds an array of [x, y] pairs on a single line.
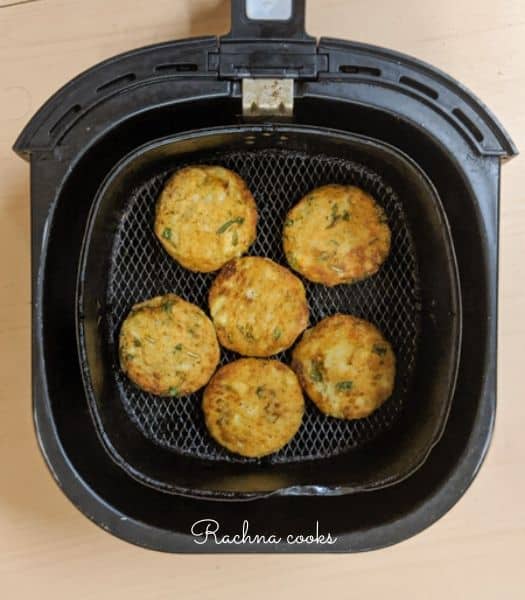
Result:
{"points": [[459, 114], [356, 70], [176, 67], [420, 87], [65, 118], [117, 82]]}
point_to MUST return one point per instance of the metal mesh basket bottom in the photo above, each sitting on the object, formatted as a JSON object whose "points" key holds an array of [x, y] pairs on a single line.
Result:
{"points": [[140, 269]]}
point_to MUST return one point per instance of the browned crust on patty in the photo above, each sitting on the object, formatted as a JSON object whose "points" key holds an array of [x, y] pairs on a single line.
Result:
{"points": [[168, 346], [346, 366], [258, 307], [336, 234], [253, 407], [205, 216]]}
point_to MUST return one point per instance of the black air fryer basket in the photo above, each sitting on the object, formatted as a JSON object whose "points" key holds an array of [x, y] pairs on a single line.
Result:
{"points": [[288, 113]]}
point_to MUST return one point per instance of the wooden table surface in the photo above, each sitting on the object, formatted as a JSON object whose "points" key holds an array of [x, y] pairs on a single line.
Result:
{"points": [[47, 548]]}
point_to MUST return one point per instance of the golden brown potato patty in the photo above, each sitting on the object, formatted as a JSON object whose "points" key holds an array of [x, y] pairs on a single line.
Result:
{"points": [[253, 407], [205, 216], [168, 346], [258, 307], [346, 366], [336, 234]]}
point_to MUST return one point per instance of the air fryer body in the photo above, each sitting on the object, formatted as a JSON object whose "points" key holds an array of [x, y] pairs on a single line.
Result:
{"points": [[103, 115]]}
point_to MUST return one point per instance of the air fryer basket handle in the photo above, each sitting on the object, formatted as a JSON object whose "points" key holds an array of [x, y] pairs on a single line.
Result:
{"points": [[268, 40], [249, 22]]}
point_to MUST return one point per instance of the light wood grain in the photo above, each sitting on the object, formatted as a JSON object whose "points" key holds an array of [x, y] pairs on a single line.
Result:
{"points": [[47, 549]]}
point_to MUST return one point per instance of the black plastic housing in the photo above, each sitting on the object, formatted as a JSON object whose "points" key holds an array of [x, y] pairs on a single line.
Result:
{"points": [[98, 118]]}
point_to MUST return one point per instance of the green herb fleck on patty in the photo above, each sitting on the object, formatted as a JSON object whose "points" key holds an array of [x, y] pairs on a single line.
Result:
{"points": [[237, 221], [292, 259], [173, 392], [247, 332], [288, 223], [382, 216], [168, 305], [178, 348], [277, 333], [166, 234], [137, 343], [336, 217], [379, 350], [344, 386], [316, 373]]}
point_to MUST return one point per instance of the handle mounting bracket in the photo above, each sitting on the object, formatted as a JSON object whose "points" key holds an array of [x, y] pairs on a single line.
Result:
{"points": [[268, 40]]}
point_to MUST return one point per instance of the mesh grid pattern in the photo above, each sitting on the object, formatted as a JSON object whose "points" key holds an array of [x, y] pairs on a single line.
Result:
{"points": [[141, 269]]}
